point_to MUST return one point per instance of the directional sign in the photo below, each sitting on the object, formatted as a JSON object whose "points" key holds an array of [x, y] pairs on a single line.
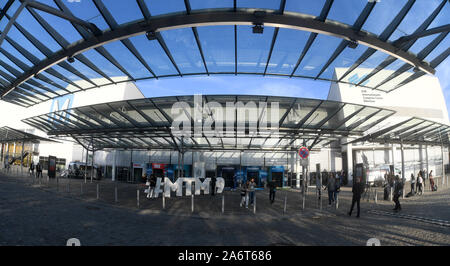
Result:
{"points": [[303, 152]]}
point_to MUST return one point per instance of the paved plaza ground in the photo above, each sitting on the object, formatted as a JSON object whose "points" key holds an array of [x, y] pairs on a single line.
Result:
{"points": [[50, 214]]}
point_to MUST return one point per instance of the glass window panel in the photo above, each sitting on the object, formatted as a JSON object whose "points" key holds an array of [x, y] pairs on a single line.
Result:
{"points": [[346, 11], [311, 8], [390, 85], [10, 49], [86, 10], [287, 50], [158, 7], [419, 12], [253, 49], [337, 119], [101, 62], [127, 60], [422, 43], [62, 26], [7, 73], [10, 63], [316, 58], [218, 47], [365, 68], [49, 86], [323, 112], [27, 21], [344, 60], [299, 111], [154, 55], [382, 14], [71, 76], [124, 11], [20, 39], [202, 4], [439, 49], [266, 4], [363, 114], [116, 118], [183, 47], [12, 9], [368, 122]]}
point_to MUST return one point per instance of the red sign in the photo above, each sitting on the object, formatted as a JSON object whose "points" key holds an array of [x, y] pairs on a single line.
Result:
{"points": [[303, 152]]}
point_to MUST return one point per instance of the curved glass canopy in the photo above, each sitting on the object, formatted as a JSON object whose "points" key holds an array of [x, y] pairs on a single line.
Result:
{"points": [[226, 122], [50, 48]]}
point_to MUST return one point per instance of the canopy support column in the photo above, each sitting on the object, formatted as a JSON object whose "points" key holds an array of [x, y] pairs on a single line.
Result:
{"points": [[113, 174], [403, 160], [21, 158], [443, 165]]}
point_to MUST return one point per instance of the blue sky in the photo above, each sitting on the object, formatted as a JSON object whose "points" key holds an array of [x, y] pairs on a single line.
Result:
{"points": [[218, 46]]}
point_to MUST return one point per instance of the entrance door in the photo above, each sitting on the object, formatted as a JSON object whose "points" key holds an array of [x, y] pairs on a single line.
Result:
{"points": [[158, 172], [138, 175], [278, 178], [228, 176]]}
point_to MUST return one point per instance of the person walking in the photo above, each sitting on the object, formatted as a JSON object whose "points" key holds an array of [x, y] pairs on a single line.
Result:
{"points": [[252, 186], [432, 185], [398, 189], [152, 185], [318, 185], [424, 177], [32, 169], [272, 189], [331, 186], [413, 183], [337, 188], [38, 170], [419, 184], [357, 191], [244, 194]]}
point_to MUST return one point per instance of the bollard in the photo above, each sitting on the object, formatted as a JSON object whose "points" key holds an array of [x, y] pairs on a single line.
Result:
{"points": [[98, 194], [390, 194], [223, 202], [320, 198], [164, 197], [81, 188], [192, 202], [337, 201], [115, 194], [285, 201], [376, 197], [68, 188], [254, 202], [137, 195]]}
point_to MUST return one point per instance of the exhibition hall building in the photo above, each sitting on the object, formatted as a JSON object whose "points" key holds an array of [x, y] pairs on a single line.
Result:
{"points": [[70, 74]]}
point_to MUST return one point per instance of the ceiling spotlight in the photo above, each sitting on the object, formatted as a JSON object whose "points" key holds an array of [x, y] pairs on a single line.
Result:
{"points": [[352, 44], [258, 28], [71, 59], [151, 35]]}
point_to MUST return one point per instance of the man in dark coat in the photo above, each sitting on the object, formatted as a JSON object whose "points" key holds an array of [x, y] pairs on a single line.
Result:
{"points": [[398, 190], [357, 191], [272, 189]]}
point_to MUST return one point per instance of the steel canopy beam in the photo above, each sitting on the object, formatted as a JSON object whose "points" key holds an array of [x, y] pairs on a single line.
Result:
{"points": [[222, 17]]}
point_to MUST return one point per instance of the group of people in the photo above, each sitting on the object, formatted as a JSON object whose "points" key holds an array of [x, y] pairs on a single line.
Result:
{"points": [[418, 184], [248, 192], [38, 170]]}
